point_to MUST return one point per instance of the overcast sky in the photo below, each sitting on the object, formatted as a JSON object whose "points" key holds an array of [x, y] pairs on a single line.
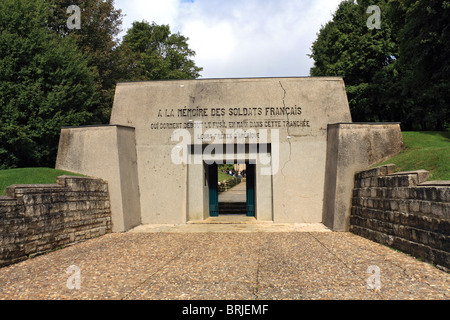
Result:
{"points": [[240, 38]]}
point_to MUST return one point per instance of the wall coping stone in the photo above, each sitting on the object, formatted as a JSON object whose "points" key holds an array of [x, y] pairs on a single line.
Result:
{"points": [[376, 172], [422, 175], [6, 200], [62, 180], [388, 170], [18, 190], [436, 183]]}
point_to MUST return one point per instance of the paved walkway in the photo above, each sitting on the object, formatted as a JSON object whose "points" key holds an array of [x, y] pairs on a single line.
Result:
{"points": [[224, 265], [235, 194]]}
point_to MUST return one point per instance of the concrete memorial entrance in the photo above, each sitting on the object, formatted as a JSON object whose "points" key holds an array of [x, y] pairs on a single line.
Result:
{"points": [[165, 138]]}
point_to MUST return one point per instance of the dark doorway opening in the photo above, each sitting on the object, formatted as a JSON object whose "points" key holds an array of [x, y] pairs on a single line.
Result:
{"points": [[240, 199]]}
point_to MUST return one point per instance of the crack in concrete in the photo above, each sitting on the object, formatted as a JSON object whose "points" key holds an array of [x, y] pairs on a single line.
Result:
{"points": [[255, 289], [399, 266], [257, 286], [287, 128], [151, 276], [343, 262]]}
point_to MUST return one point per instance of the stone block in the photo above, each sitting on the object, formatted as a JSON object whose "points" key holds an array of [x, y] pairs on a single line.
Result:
{"points": [[442, 194], [421, 175], [425, 207], [422, 193], [414, 206], [440, 210], [403, 205], [375, 172], [394, 205], [437, 183]]}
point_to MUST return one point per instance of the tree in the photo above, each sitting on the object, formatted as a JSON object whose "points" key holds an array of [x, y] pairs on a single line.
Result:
{"points": [[424, 62], [45, 83], [397, 73], [98, 39], [157, 54], [364, 58]]}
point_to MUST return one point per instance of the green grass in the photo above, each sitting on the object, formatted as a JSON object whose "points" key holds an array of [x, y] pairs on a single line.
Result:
{"points": [[30, 176], [223, 176], [425, 150]]}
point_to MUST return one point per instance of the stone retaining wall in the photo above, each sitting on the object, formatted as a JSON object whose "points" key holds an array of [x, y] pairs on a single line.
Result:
{"points": [[35, 219], [404, 211]]}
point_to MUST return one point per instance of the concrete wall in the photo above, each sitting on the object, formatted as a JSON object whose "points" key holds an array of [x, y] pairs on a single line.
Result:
{"points": [[404, 211], [353, 147], [264, 195], [197, 202], [297, 183], [313, 150], [35, 219], [108, 153]]}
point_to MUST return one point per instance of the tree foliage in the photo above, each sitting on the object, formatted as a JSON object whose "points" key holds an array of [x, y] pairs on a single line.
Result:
{"points": [[424, 62], [346, 47], [51, 76], [45, 83], [397, 73], [157, 54], [98, 39]]}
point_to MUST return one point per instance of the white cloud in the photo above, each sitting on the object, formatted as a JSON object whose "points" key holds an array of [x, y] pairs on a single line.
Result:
{"points": [[159, 11], [236, 38]]}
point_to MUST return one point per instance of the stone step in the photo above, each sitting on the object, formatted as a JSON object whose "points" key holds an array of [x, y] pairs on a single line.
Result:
{"points": [[232, 208]]}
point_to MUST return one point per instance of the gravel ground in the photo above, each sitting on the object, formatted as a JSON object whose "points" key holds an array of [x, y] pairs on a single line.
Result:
{"points": [[213, 266]]}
